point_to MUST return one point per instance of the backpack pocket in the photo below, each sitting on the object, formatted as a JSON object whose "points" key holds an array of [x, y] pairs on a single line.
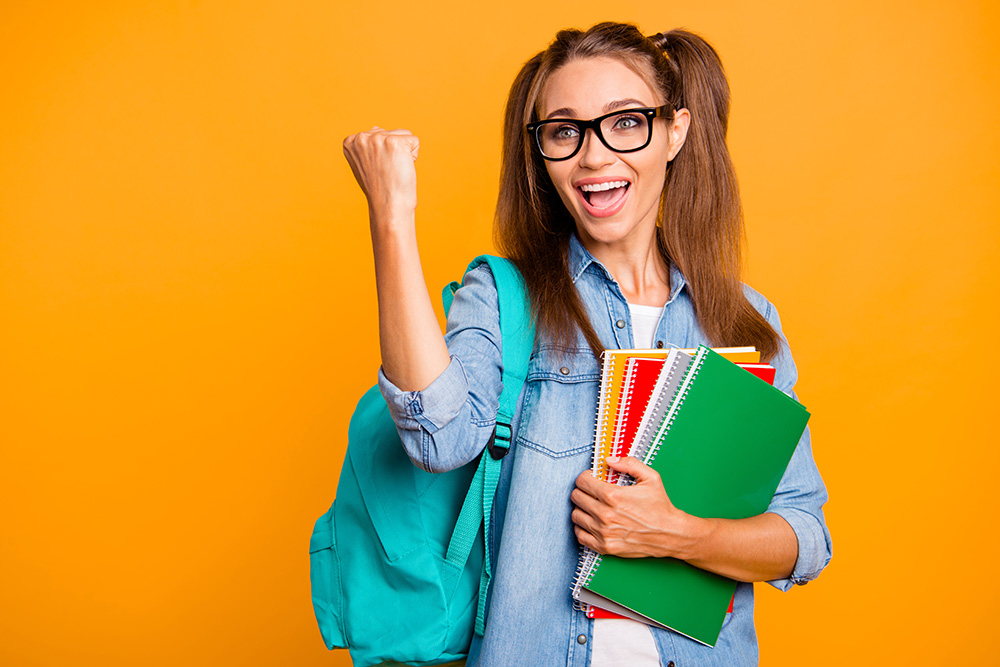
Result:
{"points": [[384, 477], [324, 574]]}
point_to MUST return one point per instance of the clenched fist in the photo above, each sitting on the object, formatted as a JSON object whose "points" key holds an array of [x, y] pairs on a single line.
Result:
{"points": [[383, 164]]}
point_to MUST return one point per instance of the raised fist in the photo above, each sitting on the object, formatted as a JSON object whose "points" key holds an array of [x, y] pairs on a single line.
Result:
{"points": [[383, 164]]}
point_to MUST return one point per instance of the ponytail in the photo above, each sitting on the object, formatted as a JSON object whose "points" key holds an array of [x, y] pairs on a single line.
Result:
{"points": [[701, 214]]}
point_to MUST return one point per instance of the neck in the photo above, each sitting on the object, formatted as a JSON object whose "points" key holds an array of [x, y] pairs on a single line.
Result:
{"points": [[636, 265]]}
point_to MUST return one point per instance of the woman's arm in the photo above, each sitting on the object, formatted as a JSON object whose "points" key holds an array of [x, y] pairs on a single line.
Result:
{"points": [[637, 521], [412, 346], [444, 409]]}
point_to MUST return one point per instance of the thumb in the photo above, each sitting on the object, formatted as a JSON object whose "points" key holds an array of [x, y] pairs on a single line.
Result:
{"points": [[411, 141], [630, 465]]}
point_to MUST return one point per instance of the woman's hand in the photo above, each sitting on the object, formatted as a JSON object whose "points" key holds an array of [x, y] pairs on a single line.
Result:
{"points": [[383, 162], [631, 521], [640, 520]]}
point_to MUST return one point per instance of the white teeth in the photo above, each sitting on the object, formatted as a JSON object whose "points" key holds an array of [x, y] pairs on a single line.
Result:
{"points": [[597, 187]]}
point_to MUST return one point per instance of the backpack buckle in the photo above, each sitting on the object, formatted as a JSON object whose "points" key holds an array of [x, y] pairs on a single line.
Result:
{"points": [[497, 452]]}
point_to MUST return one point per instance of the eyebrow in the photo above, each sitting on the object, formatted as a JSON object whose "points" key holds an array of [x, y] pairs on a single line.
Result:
{"points": [[566, 112]]}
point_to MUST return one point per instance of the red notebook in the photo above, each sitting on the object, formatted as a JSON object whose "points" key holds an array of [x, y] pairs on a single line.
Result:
{"points": [[764, 371], [640, 378]]}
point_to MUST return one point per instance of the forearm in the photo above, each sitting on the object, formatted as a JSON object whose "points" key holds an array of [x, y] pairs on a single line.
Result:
{"points": [[448, 423], [760, 548], [413, 349], [640, 521], [412, 345]]}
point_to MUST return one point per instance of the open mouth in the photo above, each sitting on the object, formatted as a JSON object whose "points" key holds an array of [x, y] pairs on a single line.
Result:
{"points": [[604, 195]]}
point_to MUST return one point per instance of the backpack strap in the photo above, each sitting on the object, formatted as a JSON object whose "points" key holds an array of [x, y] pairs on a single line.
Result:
{"points": [[517, 336]]}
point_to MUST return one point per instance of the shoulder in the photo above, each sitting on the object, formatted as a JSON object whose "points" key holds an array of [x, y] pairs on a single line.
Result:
{"points": [[763, 306], [474, 317], [478, 295], [480, 276], [786, 372]]}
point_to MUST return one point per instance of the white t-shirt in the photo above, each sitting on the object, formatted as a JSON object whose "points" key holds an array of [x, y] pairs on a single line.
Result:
{"points": [[623, 641], [644, 321]]}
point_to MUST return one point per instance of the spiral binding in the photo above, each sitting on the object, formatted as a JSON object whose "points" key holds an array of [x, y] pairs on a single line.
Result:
{"points": [[654, 407], [602, 413], [675, 405], [589, 560], [653, 416], [587, 555], [616, 442]]}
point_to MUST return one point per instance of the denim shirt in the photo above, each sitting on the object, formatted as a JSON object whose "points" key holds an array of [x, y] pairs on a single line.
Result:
{"points": [[531, 619]]}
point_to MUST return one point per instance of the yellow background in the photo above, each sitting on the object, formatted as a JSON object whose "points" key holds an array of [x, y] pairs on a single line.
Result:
{"points": [[187, 305]]}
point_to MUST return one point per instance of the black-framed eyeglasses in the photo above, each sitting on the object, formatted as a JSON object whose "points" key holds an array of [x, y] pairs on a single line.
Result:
{"points": [[621, 131]]}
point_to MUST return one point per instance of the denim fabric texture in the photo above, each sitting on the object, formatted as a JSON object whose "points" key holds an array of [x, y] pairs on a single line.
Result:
{"points": [[531, 620]]}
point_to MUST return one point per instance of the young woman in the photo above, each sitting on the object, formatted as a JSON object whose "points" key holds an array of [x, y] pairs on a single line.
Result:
{"points": [[619, 205]]}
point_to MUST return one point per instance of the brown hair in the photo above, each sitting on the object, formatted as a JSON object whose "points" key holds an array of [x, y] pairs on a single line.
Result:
{"points": [[701, 218]]}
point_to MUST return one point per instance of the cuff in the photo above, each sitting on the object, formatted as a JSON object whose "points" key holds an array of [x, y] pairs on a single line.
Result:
{"points": [[431, 408], [813, 549]]}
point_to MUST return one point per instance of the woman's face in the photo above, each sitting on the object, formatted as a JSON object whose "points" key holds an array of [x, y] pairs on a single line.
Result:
{"points": [[613, 197]]}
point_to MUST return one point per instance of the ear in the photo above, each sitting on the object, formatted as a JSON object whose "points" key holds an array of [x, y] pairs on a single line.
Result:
{"points": [[677, 132]]}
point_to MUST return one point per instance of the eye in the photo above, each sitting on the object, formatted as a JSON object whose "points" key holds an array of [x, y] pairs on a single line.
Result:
{"points": [[563, 132], [627, 122]]}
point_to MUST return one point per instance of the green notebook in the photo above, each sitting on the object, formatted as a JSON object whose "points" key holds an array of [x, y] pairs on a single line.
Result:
{"points": [[721, 452]]}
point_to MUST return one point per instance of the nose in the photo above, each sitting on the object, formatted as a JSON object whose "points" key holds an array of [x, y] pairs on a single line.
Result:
{"points": [[593, 153]]}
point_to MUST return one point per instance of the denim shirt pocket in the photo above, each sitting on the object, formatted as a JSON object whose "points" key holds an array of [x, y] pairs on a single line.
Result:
{"points": [[560, 402]]}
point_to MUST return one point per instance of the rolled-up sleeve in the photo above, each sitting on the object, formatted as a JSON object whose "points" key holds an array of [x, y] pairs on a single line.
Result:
{"points": [[448, 423], [431, 408], [801, 494], [799, 500]]}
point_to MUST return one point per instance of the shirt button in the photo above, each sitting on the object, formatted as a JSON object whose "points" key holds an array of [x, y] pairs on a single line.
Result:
{"points": [[659, 345], [670, 664], [620, 324], [582, 639], [565, 371]]}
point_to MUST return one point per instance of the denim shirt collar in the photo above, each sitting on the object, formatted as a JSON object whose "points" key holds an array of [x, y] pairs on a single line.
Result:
{"points": [[580, 259]]}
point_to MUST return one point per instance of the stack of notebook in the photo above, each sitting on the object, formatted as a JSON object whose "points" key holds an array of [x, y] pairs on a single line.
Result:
{"points": [[719, 437]]}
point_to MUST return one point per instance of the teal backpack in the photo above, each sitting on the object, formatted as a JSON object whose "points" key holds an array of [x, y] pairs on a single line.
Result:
{"points": [[398, 563]]}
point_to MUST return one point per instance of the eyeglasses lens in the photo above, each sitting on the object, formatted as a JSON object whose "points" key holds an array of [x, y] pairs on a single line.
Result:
{"points": [[626, 131]]}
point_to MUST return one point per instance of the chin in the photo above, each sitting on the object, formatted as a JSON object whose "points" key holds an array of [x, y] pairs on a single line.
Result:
{"points": [[606, 232]]}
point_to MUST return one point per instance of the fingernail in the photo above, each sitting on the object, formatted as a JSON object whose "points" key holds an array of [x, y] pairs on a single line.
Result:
{"points": [[612, 459]]}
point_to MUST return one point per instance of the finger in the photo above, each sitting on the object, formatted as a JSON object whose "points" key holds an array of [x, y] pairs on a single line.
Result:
{"points": [[349, 141], [585, 538], [585, 502], [585, 521], [587, 530], [400, 138], [409, 140], [601, 491], [587, 482], [632, 466]]}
